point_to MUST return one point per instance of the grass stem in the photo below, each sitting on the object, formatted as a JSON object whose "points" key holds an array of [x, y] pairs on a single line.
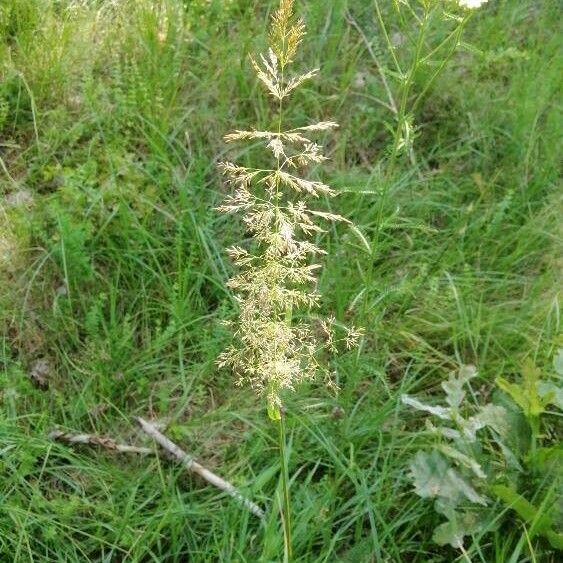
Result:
{"points": [[286, 509]]}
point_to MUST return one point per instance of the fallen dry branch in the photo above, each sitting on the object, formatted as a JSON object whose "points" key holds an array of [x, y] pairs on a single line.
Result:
{"points": [[169, 447], [93, 440], [192, 465]]}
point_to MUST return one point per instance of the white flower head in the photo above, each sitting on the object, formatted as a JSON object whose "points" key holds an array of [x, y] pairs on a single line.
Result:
{"points": [[472, 4]]}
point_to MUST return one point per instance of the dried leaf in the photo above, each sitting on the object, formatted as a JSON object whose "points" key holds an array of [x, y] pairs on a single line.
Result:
{"points": [[40, 372]]}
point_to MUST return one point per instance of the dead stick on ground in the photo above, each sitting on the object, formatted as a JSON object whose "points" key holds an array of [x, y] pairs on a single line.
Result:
{"points": [[93, 440], [187, 461], [192, 465]]}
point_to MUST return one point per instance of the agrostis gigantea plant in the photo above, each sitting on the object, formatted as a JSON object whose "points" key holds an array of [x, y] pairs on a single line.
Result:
{"points": [[273, 350]]}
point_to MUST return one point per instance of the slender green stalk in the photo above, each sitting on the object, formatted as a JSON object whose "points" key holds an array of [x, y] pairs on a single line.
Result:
{"points": [[401, 114], [457, 33], [386, 36], [286, 506], [404, 98]]}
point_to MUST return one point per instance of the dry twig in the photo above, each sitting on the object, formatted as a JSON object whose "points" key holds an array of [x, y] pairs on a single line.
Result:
{"points": [[169, 447], [93, 440], [192, 465]]}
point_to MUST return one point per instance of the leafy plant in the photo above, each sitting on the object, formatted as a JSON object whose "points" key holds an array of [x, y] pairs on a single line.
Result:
{"points": [[542, 460], [462, 471], [533, 396], [452, 473], [424, 57]]}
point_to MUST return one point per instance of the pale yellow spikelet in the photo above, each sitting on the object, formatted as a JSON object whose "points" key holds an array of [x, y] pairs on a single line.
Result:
{"points": [[296, 81], [302, 185], [321, 126], [268, 78], [286, 32]]}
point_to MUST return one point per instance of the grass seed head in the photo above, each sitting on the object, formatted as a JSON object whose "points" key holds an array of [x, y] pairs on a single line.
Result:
{"points": [[274, 349]]}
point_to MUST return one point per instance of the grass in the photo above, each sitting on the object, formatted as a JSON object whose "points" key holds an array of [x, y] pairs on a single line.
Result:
{"points": [[111, 123]]}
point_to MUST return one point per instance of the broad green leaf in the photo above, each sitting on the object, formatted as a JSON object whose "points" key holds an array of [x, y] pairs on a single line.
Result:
{"points": [[515, 391], [463, 459], [434, 478], [459, 485], [428, 472], [509, 456], [495, 417], [555, 539], [551, 394], [455, 529], [518, 437]]}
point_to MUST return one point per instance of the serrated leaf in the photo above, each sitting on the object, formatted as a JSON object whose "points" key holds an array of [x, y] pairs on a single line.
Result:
{"points": [[454, 385], [454, 391], [495, 417], [530, 372], [428, 472], [551, 394], [531, 375], [511, 459], [463, 459], [444, 431], [441, 412], [434, 478], [467, 372], [519, 434], [361, 237], [515, 391], [454, 530], [469, 427], [456, 483]]}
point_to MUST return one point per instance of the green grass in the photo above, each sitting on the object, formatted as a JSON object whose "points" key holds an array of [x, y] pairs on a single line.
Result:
{"points": [[115, 274]]}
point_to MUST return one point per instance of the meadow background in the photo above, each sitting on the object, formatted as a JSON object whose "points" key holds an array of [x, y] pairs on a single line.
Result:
{"points": [[112, 272]]}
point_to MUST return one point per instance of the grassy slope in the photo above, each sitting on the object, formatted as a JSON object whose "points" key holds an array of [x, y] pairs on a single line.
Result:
{"points": [[116, 275]]}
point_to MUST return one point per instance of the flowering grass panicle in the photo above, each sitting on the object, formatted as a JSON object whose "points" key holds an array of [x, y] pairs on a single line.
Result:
{"points": [[273, 350]]}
